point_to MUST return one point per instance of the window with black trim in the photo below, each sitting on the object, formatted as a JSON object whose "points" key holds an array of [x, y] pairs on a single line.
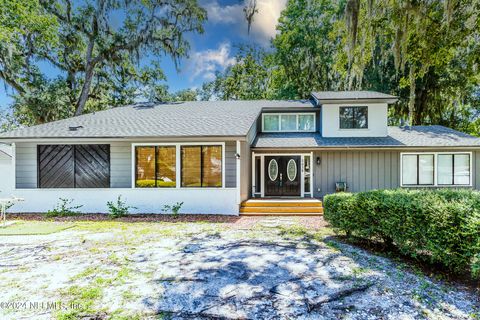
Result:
{"points": [[73, 166], [436, 169], [418, 169], [201, 166], [354, 117], [155, 166], [454, 169]]}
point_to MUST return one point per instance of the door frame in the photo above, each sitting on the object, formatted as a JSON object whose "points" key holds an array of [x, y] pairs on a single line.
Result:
{"points": [[261, 156]]}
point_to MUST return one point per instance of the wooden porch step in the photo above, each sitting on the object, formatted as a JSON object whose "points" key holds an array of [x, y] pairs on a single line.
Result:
{"points": [[281, 214], [282, 209], [282, 203]]}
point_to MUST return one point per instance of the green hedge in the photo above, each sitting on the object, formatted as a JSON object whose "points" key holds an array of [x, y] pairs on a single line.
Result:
{"points": [[438, 226]]}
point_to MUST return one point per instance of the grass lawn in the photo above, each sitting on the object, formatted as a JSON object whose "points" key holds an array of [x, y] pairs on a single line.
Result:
{"points": [[20, 228]]}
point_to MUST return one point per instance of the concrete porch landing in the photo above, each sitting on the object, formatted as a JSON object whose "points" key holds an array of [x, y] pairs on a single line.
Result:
{"points": [[281, 207]]}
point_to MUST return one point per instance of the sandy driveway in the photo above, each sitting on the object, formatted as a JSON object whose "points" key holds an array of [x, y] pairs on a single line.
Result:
{"points": [[268, 269]]}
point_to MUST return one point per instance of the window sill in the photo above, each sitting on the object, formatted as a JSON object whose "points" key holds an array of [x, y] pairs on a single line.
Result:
{"points": [[354, 129], [438, 186]]}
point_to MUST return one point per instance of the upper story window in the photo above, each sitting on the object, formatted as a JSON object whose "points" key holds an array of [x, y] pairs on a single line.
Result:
{"points": [[288, 122], [354, 117]]}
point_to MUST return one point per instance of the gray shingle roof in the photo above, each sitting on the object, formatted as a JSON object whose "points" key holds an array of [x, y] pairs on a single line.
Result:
{"points": [[198, 118], [417, 136], [351, 95]]}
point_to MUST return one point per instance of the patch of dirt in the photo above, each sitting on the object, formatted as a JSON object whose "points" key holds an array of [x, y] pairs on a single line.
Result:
{"points": [[236, 222]]}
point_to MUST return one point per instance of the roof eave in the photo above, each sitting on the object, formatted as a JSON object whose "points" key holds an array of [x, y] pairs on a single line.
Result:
{"points": [[123, 138], [359, 100]]}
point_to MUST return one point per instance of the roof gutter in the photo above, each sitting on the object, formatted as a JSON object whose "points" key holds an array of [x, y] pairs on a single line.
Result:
{"points": [[9, 140], [354, 148]]}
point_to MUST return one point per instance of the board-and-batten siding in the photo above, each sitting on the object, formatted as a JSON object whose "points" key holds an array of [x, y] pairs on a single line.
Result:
{"points": [[365, 170], [120, 164]]}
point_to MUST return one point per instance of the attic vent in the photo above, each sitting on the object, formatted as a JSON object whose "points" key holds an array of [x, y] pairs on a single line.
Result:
{"points": [[73, 128], [147, 105]]}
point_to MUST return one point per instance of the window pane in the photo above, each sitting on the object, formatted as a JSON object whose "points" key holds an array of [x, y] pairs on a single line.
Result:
{"points": [[426, 169], [270, 122], [346, 118], [307, 173], [409, 169], [212, 166], [445, 169], [361, 117], [354, 117], [145, 168], [289, 122], [191, 167], [166, 171], [462, 169], [306, 122]]}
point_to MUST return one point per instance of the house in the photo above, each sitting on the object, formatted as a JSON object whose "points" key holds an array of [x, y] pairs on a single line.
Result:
{"points": [[6, 172], [214, 155]]}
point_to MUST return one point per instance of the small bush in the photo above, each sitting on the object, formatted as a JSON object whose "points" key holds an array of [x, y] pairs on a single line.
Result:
{"points": [[151, 184], [174, 209], [437, 226], [119, 208], [64, 208]]}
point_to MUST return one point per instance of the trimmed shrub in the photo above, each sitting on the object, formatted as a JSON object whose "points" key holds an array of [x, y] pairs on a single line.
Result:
{"points": [[437, 226]]}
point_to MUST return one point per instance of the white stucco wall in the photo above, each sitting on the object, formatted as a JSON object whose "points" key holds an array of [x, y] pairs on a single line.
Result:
{"points": [[206, 201], [377, 121]]}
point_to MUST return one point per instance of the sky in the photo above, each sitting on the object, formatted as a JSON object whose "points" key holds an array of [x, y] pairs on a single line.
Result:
{"points": [[212, 51]]}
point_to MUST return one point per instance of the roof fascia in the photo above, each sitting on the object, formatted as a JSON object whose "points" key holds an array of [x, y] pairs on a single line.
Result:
{"points": [[130, 139]]}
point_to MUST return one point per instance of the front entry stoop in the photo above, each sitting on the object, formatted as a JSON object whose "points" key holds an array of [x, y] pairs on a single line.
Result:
{"points": [[281, 207]]}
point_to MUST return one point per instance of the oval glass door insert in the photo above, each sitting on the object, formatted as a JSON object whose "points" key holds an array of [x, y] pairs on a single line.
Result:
{"points": [[273, 169], [291, 170]]}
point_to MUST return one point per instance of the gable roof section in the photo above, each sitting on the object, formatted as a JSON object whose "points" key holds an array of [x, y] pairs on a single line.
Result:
{"points": [[398, 137], [336, 96], [183, 119]]}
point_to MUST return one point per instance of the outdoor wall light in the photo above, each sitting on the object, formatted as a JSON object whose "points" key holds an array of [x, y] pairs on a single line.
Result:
{"points": [[237, 156], [319, 161]]}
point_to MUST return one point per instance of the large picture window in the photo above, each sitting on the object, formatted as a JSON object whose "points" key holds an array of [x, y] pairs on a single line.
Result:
{"points": [[288, 122], [201, 166], [436, 169], [73, 166], [354, 117], [155, 167]]}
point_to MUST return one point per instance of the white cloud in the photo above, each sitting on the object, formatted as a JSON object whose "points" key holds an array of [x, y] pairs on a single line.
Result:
{"points": [[266, 20], [223, 14], [204, 64], [263, 26]]}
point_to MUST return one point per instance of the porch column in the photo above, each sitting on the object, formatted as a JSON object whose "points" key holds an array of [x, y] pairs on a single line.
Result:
{"points": [[239, 156]]}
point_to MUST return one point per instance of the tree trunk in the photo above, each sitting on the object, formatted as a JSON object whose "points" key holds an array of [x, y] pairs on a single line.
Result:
{"points": [[82, 100]]}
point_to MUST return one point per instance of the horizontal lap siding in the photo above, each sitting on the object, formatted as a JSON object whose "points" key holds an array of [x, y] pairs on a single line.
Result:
{"points": [[361, 170]]}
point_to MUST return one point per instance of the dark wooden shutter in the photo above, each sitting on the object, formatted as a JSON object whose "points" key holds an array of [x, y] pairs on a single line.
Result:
{"points": [[92, 166], [74, 166], [56, 166]]}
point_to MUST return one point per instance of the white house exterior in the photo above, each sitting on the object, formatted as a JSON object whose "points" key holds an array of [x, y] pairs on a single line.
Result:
{"points": [[214, 155]]}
